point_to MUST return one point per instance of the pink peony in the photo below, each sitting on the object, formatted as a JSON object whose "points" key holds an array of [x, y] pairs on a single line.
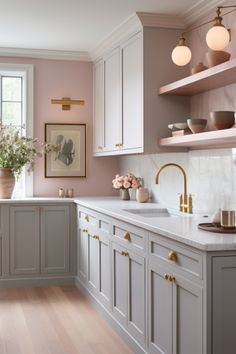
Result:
{"points": [[126, 184]]}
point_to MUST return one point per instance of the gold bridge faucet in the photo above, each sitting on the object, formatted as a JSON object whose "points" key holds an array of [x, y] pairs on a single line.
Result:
{"points": [[185, 200]]}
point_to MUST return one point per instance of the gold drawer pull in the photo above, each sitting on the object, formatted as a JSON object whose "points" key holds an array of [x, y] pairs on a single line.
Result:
{"points": [[172, 256], [169, 277], [127, 236], [100, 148], [118, 145], [86, 218], [85, 230], [96, 237], [125, 253]]}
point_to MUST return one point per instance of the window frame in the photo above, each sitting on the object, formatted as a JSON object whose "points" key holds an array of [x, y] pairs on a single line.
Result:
{"points": [[27, 73]]}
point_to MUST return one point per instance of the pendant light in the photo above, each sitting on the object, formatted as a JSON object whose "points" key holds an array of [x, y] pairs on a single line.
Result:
{"points": [[218, 36], [181, 54]]}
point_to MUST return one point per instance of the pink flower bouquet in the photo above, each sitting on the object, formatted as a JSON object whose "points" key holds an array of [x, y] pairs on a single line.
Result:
{"points": [[126, 182]]}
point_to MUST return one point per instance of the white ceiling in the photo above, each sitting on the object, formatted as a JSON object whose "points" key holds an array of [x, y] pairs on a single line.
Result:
{"points": [[74, 25]]}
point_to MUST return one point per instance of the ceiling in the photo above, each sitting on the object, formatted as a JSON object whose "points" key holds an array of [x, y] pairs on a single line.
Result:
{"points": [[74, 25]]}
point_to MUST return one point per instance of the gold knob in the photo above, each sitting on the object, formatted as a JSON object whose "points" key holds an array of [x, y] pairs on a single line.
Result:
{"points": [[86, 218], [169, 277], [117, 145], [172, 256], [96, 237], [84, 230], [125, 253], [127, 236]]}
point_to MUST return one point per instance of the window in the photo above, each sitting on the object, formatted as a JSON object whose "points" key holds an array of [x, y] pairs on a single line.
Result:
{"points": [[16, 109]]}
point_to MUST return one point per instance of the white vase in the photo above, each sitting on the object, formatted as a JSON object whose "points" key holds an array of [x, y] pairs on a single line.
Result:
{"points": [[142, 195]]}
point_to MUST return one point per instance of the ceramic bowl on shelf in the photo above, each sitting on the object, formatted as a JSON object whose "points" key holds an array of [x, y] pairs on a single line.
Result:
{"points": [[197, 125], [198, 68], [215, 57], [222, 119], [178, 126]]}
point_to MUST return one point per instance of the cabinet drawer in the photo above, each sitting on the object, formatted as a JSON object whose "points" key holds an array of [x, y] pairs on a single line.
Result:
{"points": [[181, 258], [86, 217], [130, 236]]}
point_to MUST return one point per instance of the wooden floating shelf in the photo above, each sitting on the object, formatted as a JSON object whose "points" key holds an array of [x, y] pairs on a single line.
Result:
{"points": [[218, 76], [213, 139]]}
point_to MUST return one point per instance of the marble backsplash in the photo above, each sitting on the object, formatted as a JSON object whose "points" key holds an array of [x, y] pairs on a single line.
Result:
{"points": [[211, 177]]}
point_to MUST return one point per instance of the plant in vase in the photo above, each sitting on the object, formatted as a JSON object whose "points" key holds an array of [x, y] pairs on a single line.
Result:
{"points": [[17, 151], [124, 183]]}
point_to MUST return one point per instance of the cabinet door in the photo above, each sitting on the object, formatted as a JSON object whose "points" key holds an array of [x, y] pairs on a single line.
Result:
{"points": [[0, 255], [175, 314], [98, 114], [55, 235], [160, 311], [104, 271], [113, 119], [132, 93], [82, 254], [93, 265], [120, 278], [223, 305], [24, 240], [188, 317]]}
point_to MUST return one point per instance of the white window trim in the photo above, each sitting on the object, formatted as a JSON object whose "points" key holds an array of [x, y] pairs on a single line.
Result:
{"points": [[28, 71]]}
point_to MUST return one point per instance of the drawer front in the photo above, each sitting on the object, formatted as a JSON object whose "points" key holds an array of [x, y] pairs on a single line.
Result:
{"points": [[86, 217], [130, 236], [104, 226], [171, 253]]}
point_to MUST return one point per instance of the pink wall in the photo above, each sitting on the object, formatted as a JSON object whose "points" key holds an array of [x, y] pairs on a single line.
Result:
{"points": [[74, 79]]}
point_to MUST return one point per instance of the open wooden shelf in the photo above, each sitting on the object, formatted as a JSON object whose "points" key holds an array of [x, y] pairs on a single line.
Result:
{"points": [[212, 139], [218, 76]]}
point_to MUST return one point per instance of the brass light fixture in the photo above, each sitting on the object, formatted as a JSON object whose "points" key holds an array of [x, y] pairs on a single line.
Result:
{"points": [[66, 102], [217, 38]]}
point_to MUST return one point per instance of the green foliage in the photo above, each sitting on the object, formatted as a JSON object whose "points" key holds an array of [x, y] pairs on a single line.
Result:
{"points": [[16, 151]]}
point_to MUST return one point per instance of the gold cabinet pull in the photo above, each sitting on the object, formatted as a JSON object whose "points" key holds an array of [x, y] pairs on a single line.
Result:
{"points": [[100, 148], [127, 236], [85, 230], [125, 253], [118, 145], [169, 277], [86, 218], [96, 237], [172, 256]]}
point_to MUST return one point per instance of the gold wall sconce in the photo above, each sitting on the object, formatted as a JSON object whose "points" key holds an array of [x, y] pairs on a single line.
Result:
{"points": [[217, 38], [66, 102]]}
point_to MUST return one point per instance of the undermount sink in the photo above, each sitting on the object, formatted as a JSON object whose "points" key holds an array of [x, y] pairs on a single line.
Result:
{"points": [[150, 213]]}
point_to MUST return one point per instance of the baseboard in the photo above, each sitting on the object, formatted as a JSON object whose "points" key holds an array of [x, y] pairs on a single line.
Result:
{"points": [[36, 282], [120, 330]]}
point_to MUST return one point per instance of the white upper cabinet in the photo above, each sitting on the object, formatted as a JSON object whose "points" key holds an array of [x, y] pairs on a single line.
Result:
{"points": [[132, 93], [98, 114], [112, 107]]}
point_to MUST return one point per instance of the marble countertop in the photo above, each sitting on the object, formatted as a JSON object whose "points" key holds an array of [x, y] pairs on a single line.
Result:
{"points": [[36, 200], [179, 226]]}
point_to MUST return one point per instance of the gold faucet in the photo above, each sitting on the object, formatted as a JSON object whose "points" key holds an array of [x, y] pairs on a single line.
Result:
{"points": [[185, 200]]}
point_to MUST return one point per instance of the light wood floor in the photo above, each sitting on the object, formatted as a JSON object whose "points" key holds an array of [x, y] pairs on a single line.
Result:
{"points": [[54, 320]]}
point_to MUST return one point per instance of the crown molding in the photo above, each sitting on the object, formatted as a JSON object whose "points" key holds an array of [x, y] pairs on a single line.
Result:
{"points": [[149, 19], [125, 29], [44, 54], [200, 10]]}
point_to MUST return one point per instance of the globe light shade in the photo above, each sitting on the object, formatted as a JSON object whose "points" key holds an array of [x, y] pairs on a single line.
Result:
{"points": [[181, 55], [217, 38]]}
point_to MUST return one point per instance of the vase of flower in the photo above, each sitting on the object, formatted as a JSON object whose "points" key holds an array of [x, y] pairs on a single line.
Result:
{"points": [[7, 183], [124, 183], [124, 194]]}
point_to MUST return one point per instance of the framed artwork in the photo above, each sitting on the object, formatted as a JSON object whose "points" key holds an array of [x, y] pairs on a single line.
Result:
{"points": [[70, 159]]}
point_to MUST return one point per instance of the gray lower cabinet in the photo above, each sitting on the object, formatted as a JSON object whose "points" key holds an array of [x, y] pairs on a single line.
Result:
{"points": [[39, 239], [175, 313], [223, 305], [128, 276]]}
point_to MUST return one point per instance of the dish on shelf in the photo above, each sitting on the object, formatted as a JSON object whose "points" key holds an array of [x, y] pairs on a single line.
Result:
{"points": [[198, 68], [178, 126], [215, 57], [196, 125], [222, 119]]}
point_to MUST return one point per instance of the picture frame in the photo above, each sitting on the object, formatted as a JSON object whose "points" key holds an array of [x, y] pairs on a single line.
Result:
{"points": [[70, 160]]}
